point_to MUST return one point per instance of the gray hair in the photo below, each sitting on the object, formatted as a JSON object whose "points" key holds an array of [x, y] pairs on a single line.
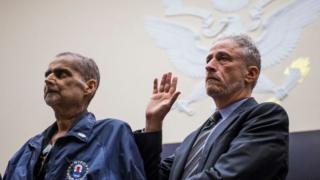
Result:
{"points": [[251, 53], [88, 69]]}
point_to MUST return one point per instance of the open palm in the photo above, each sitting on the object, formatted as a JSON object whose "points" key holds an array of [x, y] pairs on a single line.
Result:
{"points": [[161, 101]]}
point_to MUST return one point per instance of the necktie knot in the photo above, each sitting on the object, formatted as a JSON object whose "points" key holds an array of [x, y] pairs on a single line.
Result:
{"points": [[213, 120]]}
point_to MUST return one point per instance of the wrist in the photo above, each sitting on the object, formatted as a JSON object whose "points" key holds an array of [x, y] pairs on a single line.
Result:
{"points": [[153, 126]]}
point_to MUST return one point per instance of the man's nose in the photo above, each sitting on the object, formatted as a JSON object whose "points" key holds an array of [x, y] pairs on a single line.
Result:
{"points": [[211, 65], [50, 79]]}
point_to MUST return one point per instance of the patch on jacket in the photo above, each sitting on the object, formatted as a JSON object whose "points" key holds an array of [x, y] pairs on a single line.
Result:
{"points": [[77, 170]]}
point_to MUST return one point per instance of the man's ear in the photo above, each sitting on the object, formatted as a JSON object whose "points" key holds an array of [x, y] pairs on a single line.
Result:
{"points": [[91, 86], [252, 74]]}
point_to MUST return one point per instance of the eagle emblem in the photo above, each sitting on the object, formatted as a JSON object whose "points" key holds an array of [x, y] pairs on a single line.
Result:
{"points": [[276, 34]]}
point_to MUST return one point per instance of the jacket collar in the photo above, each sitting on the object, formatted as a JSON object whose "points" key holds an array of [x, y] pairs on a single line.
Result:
{"points": [[81, 130], [82, 127], [224, 126]]}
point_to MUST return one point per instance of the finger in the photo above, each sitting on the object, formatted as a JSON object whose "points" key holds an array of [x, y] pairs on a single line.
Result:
{"points": [[174, 97], [155, 86], [168, 82], [163, 81], [173, 85]]}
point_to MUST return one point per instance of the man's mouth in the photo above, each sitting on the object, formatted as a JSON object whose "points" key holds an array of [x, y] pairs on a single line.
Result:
{"points": [[215, 78], [51, 90]]}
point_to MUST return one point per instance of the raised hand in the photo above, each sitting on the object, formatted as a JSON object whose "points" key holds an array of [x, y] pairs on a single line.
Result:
{"points": [[161, 102]]}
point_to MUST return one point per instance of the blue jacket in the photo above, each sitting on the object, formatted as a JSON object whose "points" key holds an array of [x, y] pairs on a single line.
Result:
{"points": [[90, 150]]}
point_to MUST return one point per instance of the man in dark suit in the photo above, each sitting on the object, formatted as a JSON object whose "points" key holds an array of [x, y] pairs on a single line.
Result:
{"points": [[242, 140]]}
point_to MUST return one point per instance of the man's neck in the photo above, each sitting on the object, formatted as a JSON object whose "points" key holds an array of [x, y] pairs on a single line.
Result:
{"points": [[65, 119], [226, 100]]}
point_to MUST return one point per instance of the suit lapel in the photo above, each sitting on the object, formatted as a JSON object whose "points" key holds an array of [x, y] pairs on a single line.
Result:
{"points": [[221, 128], [182, 153]]}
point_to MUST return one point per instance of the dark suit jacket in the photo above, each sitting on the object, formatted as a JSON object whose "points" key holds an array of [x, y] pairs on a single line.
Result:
{"points": [[251, 144]]}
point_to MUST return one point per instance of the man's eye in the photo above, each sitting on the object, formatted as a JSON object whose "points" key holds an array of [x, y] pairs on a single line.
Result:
{"points": [[47, 74], [223, 58], [61, 74], [209, 58]]}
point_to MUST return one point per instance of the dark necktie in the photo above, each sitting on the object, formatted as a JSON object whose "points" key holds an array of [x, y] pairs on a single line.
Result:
{"points": [[196, 151]]}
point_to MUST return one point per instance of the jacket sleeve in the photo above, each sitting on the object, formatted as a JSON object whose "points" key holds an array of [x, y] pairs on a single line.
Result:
{"points": [[259, 150], [17, 165], [131, 159], [150, 147]]}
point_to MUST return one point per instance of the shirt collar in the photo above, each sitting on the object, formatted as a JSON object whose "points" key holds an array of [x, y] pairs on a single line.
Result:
{"points": [[226, 112]]}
